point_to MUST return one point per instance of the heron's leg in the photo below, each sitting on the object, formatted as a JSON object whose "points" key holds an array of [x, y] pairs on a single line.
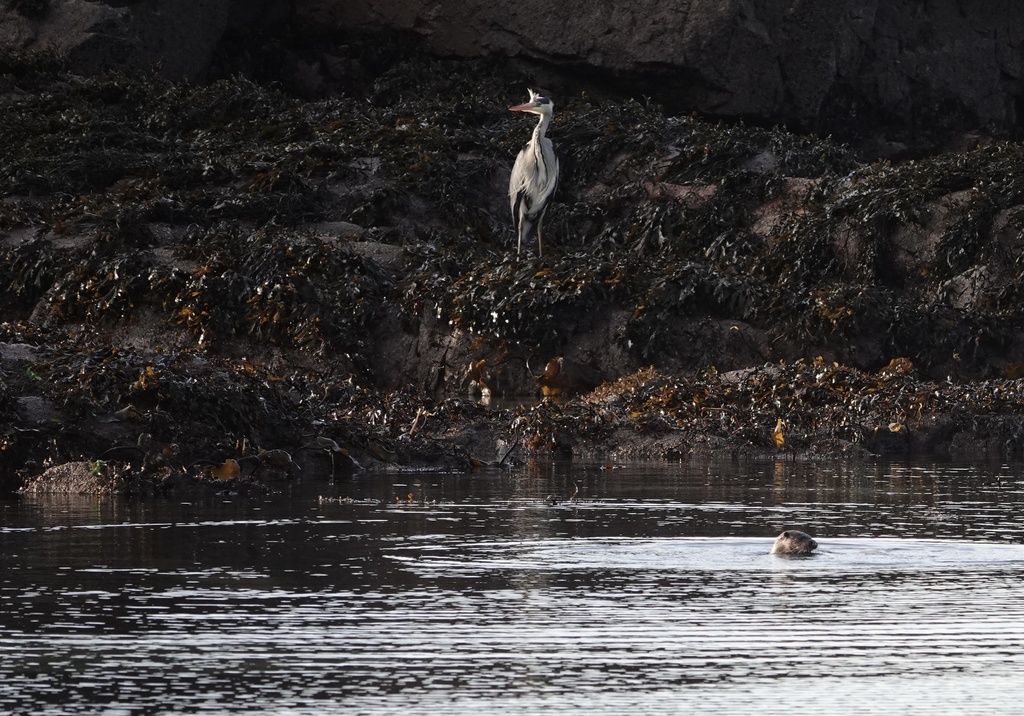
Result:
{"points": [[540, 246]]}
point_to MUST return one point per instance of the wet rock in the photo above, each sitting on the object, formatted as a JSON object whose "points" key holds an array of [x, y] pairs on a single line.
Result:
{"points": [[75, 478], [35, 410]]}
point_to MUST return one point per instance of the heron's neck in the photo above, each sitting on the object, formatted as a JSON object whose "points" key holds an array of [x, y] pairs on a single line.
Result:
{"points": [[542, 127]]}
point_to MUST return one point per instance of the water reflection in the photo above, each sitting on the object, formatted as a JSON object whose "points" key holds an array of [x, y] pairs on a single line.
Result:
{"points": [[649, 589]]}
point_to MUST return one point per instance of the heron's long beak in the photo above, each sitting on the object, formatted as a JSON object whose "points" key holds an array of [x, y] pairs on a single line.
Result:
{"points": [[528, 107]]}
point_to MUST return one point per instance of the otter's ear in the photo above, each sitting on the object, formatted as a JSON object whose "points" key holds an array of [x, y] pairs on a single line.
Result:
{"points": [[786, 533]]}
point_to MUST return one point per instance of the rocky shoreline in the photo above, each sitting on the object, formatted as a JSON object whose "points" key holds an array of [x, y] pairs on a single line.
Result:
{"points": [[223, 284]]}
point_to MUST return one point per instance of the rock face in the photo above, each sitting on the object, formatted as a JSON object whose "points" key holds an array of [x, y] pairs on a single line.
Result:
{"points": [[849, 67], [176, 37], [829, 66]]}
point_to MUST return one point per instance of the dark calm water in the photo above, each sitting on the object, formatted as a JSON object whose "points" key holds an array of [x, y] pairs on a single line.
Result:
{"points": [[650, 590]]}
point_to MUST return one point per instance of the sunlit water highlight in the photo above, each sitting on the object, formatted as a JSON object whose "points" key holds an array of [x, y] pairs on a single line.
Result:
{"points": [[652, 590]]}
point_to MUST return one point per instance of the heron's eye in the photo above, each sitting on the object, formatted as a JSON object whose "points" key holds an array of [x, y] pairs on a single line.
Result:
{"points": [[543, 100]]}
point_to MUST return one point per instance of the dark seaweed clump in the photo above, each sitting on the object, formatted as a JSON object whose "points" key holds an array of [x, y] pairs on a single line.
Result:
{"points": [[137, 192], [293, 269], [807, 407]]}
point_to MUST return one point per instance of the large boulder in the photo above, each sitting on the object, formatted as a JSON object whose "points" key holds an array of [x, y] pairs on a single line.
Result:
{"points": [[829, 65], [176, 37]]}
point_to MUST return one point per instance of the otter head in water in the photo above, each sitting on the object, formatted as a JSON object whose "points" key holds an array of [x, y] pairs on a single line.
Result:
{"points": [[794, 542]]}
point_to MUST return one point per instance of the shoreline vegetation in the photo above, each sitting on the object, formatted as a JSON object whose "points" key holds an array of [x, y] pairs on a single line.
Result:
{"points": [[224, 285]]}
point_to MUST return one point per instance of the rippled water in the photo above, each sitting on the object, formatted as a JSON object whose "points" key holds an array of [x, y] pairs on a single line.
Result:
{"points": [[554, 588]]}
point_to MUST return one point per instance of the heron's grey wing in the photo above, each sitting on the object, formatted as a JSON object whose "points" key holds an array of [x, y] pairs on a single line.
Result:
{"points": [[550, 160], [519, 181]]}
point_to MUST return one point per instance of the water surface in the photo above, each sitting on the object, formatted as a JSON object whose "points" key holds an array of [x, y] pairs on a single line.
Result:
{"points": [[552, 588]]}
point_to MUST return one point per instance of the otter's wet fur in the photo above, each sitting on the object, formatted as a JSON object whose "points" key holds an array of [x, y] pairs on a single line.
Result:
{"points": [[794, 543]]}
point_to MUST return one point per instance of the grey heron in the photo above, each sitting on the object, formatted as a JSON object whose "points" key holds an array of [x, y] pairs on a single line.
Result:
{"points": [[534, 175]]}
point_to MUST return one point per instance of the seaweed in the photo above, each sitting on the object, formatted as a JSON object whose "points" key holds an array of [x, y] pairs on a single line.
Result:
{"points": [[236, 251]]}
